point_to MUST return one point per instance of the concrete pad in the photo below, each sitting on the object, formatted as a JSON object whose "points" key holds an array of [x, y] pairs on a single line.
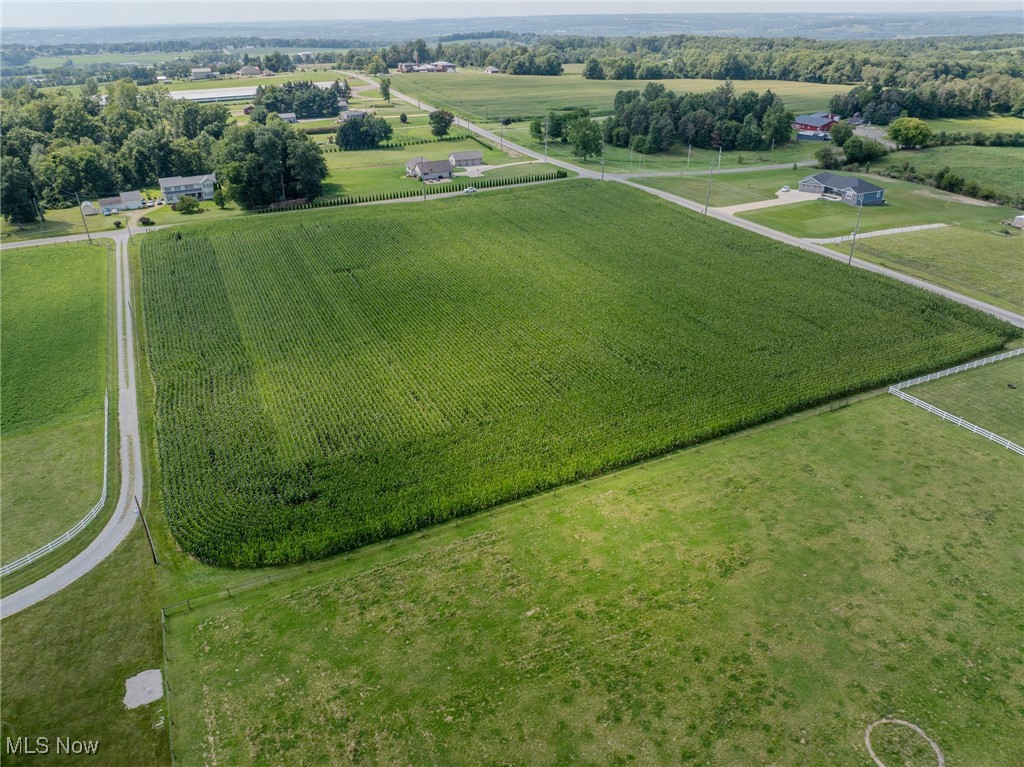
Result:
{"points": [[143, 688], [781, 198]]}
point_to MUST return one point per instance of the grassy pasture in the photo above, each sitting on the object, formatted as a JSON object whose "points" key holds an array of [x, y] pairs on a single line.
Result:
{"points": [[334, 378], [990, 124], [729, 188], [982, 264], [62, 222], [53, 343], [907, 204], [487, 98], [1000, 168], [982, 396], [759, 600]]}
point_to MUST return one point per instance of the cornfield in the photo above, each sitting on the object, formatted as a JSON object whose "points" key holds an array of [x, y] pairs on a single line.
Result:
{"points": [[332, 378]]}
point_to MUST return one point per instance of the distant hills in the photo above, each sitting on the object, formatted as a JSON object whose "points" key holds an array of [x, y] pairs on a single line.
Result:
{"points": [[823, 26]]}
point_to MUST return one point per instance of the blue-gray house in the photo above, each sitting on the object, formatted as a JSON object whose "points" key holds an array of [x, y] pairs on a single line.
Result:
{"points": [[849, 189]]}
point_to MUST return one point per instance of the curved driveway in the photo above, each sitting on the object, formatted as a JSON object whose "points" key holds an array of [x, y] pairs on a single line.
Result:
{"points": [[125, 513]]}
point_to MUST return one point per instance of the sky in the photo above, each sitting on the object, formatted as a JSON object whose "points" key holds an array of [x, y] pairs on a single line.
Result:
{"points": [[90, 13]]}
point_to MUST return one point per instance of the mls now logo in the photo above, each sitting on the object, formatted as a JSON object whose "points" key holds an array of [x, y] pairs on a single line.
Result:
{"points": [[31, 746]]}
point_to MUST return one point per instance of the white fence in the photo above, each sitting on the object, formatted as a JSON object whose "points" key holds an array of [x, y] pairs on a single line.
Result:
{"points": [[882, 233], [897, 389], [56, 543]]}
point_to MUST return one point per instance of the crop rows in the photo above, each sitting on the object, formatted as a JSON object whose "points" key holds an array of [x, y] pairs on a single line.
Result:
{"points": [[328, 380]]}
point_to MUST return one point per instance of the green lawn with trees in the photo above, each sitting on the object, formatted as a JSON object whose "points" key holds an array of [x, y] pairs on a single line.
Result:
{"points": [[995, 169]]}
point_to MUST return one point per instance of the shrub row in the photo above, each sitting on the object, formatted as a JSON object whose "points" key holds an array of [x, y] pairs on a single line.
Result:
{"points": [[458, 186]]}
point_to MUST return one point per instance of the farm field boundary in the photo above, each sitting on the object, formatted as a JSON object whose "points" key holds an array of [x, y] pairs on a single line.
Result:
{"points": [[59, 541], [898, 390]]}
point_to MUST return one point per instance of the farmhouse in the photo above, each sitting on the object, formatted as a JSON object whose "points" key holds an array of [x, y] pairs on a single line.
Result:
{"points": [[88, 209], [249, 71], [407, 66], [288, 117], [428, 170], [349, 114], [202, 73], [110, 204], [851, 190], [444, 66], [818, 121], [199, 187], [492, 71], [132, 200], [466, 159]]}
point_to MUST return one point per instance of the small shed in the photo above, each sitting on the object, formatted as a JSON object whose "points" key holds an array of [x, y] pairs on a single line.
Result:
{"points": [[132, 200], [88, 209], [492, 71], [288, 117]]}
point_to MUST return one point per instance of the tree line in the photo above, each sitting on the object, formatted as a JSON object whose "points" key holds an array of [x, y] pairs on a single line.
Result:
{"points": [[654, 119], [54, 145]]}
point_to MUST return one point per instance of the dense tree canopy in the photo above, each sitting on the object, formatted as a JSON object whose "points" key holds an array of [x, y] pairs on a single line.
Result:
{"points": [[365, 132], [305, 98]]}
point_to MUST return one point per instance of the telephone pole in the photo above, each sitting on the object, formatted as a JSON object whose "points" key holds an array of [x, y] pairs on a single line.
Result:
{"points": [[707, 199], [86, 225], [853, 242]]}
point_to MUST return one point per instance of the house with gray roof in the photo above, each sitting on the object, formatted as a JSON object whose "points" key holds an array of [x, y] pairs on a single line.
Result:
{"points": [[466, 159], [174, 188], [288, 117], [430, 170], [817, 121], [850, 189], [132, 200]]}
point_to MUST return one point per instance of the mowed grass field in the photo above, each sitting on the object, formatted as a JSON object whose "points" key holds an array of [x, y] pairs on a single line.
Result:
{"points": [[991, 397], [486, 98], [53, 343], [997, 168], [330, 379], [985, 265], [906, 204], [991, 124], [759, 600], [729, 188]]}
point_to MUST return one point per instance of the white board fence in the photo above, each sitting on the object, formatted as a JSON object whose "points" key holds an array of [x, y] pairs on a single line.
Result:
{"points": [[56, 543]]}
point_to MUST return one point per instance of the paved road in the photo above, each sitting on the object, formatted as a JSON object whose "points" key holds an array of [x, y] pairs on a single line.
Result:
{"points": [[123, 519]]}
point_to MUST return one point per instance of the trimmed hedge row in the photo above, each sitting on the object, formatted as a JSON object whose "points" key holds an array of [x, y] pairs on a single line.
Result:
{"points": [[481, 183]]}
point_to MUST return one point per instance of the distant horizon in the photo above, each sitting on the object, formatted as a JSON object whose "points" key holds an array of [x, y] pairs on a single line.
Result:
{"points": [[152, 13]]}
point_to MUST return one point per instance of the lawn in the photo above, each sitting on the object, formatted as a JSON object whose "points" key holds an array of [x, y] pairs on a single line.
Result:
{"points": [[907, 204], [991, 397], [997, 168], [53, 342], [487, 98], [375, 171], [624, 160], [990, 124], [65, 662], [759, 600], [985, 265], [729, 188], [59, 223], [335, 378]]}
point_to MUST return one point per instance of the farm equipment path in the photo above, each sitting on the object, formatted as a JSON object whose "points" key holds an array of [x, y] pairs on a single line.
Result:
{"points": [[125, 513]]}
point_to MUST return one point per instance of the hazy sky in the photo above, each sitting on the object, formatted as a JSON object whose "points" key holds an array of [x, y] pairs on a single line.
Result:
{"points": [[89, 13]]}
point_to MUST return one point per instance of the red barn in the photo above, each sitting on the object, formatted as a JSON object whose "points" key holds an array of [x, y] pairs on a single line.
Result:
{"points": [[819, 121]]}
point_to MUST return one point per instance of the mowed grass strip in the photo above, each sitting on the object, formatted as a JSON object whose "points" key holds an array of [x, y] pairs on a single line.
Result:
{"points": [[985, 265], [991, 397], [756, 601], [729, 188], [53, 344], [329, 379], [906, 204]]}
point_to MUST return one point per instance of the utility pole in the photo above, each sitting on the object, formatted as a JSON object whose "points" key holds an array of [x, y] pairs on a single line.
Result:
{"points": [[707, 200], [149, 537], [719, 158], [772, 160], [128, 226], [853, 242], [546, 119], [79, 200], [602, 159], [502, 135], [688, 148]]}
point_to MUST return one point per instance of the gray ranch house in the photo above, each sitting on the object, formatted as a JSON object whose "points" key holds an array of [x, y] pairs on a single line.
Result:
{"points": [[199, 187], [466, 159], [851, 190]]}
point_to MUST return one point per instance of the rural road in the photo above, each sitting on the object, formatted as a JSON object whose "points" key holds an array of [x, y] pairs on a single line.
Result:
{"points": [[1003, 314], [125, 513]]}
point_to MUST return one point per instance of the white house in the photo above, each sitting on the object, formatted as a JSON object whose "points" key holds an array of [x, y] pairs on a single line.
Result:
{"points": [[202, 73], [199, 187], [428, 170], [492, 71], [288, 117]]}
